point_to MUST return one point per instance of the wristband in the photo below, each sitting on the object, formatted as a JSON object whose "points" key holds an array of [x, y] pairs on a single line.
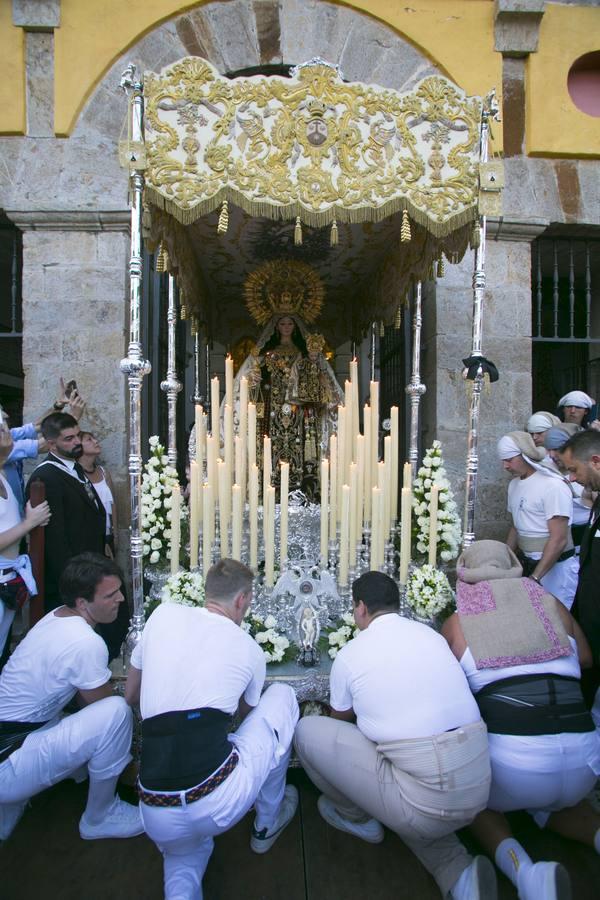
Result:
{"points": [[535, 578], [59, 406]]}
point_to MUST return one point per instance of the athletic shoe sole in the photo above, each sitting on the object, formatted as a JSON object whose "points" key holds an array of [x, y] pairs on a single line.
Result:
{"points": [[337, 821]]}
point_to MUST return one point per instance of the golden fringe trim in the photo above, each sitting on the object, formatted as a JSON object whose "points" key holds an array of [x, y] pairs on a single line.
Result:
{"points": [[398, 318], [223, 219], [298, 232], [312, 218], [381, 330], [162, 259], [194, 326], [441, 268], [333, 237], [475, 240], [405, 234]]}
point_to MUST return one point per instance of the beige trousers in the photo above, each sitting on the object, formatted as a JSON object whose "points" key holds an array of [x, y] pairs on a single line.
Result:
{"points": [[424, 789]]}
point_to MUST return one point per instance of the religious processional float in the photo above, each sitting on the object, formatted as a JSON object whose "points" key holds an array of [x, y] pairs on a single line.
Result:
{"points": [[306, 554]]}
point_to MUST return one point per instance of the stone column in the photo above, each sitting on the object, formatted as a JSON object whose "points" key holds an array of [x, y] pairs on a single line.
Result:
{"points": [[74, 318], [506, 406]]}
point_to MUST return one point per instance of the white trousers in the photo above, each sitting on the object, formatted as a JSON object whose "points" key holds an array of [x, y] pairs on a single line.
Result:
{"points": [[99, 736], [184, 834], [561, 580], [542, 773], [6, 619]]}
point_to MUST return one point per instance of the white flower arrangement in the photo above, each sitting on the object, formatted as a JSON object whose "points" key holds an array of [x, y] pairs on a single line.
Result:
{"points": [[158, 482], [343, 631], [264, 631], [448, 524], [185, 588], [428, 592]]}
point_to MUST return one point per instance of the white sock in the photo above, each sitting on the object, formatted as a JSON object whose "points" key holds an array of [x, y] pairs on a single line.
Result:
{"points": [[101, 796], [510, 857], [597, 841]]}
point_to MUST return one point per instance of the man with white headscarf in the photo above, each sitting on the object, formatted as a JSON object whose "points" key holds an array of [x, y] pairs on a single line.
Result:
{"points": [[539, 423], [541, 506], [576, 407]]}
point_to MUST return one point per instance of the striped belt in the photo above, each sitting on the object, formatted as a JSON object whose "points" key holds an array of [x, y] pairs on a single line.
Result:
{"points": [[182, 798]]}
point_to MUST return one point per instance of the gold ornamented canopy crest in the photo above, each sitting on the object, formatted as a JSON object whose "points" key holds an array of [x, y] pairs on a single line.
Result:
{"points": [[310, 146], [284, 287]]}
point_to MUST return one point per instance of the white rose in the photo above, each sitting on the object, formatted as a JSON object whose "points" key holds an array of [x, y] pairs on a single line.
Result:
{"points": [[156, 544], [153, 441], [154, 557]]}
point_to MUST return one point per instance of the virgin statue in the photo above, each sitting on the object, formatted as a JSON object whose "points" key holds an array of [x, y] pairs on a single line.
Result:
{"points": [[296, 396]]}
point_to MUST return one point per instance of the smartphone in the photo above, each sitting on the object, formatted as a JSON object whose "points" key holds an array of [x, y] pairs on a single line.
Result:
{"points": [[71, 386]]}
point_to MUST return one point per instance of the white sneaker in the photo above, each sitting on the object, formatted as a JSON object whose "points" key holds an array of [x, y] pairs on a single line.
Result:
{"points": [[10, 813], [477, 882], [371, 830], [544, 881], [123, 820], [263, 840]]}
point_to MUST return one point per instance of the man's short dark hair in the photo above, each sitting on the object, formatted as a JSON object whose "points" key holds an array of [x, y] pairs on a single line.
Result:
{"points": [[82, 575], [226, 579], [56, 422], [377, 591], [583, 445]]}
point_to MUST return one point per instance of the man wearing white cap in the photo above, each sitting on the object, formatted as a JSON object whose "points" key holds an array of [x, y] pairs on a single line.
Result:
{"points": [[541, 506], [539, 423], [576, 407]]}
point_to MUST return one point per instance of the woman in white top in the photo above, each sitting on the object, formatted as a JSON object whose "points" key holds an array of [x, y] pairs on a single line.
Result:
{"points": [[521, 651], [16, 580], [103, 485]]}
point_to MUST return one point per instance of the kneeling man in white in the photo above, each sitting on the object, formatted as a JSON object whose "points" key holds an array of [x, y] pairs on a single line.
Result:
{"points": [[417, 758], [62, 657], [191, 672]]}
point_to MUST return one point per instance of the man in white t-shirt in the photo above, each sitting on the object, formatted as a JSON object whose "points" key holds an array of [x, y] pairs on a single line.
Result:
{"points": [[60, 658], [192, 671], [541, 507], [405, 745]]}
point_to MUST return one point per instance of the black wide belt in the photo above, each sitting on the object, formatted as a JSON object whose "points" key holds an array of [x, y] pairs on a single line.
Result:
{"points": [[534, 705], [13, 735], [154, 798]]}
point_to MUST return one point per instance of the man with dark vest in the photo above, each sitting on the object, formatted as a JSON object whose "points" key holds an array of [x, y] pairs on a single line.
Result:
{"points": [[581, 458], [78, 516]]}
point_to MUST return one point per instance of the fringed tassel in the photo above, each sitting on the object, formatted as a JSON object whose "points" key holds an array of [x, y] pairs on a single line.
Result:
{"points": [[298, 232], [194, 326], [405, 234], [183, 312], [441, 269], [381, 330], [146, 218], [162, 259], [475, 236], [333, 237], [398, 319], [223, 219]]}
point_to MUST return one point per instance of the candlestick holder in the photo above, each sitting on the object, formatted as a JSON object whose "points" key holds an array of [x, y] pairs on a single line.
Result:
{"points": [[366, 550], [333, 554]]}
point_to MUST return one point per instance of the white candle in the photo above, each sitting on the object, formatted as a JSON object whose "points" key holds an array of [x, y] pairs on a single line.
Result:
{"points": [[349, 425], [375, 527], [355, 419], [269, 536], [243, 435], [253, 515], [387, 459], [405, 533], [199, 433], [208, 529], [236, 526], [214, 410], [228, 427], [194, 512], [175, 528], [382, 485], [229, 381], [224, 501], [283, 514], [374, 430], [407, 476], [332, 487], [267, 467], [324, 510], [239, 466], [251, 435], [341, 460], [344, 536], [367, 464], [352, 530], [433, 522], [360, 485], [394, 434], [211, 463]]}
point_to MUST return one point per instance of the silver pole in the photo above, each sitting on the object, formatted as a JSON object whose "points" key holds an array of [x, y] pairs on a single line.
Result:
{"points": [[207, 372], [171, 384], [490, 110], [134, 366], [373, 349], [415, 389], [197, 398]]}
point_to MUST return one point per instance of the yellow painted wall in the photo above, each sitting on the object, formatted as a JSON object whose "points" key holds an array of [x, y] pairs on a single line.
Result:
{"points": [[456, 34], [554, 125], [12, 74]]}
